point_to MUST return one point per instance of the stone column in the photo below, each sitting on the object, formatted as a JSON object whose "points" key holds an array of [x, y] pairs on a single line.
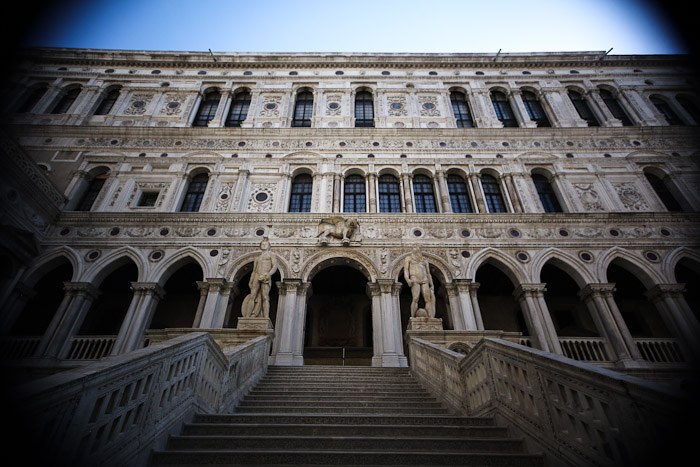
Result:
{"points": [[465, 296], [82, 107], [644, 113], [288, 346], [539, 322], [669, 300], [372, 192], [66, 322], [598, 298], [407, 195], [601, 110], [16, 302], [473, 287], [336, 192], [513, 192], [483, 113], [138, 316], [213, 311], [563, 111], [386, 323], [475, 180], [516, 100], [203, 287], [221, 110], [444, 192], [456, 312]]}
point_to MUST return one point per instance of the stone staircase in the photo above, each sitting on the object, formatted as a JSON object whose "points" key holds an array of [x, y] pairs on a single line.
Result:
{"points": [[329, 415]]}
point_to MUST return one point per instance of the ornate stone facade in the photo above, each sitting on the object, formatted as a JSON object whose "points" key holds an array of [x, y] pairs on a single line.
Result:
{"points": [[168, 170]]}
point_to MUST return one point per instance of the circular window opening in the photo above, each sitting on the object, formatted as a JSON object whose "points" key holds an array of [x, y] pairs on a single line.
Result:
{"points": [[309, 143], [386, 73], [211, 232], [93, 255], [522, 256], [143, 154], [339, 72], [514, 232], [569, 155], [156, 255], [417, 233], [109, 70], [164, 231], [402, 156], [334, 106], [466, 254], [260, 232], [371, 156], [247, 73], [213, 252], [114, 231], [563, 232], [409, 144], [651, 256], [466, 233], [155, 72], [614, 232], [64, 232], [665, 232], [585, 256], [432, 73], [293, 73], [201, 72], [342, 144], [224, 196], [396, 106], [262, 196]]}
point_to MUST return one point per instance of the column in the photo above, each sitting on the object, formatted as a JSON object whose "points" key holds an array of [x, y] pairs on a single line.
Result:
{"points": [[483, 113], [473, 287], [288, 345], [16, 302], [463, 289], [609, 322], [456, 312], [641, 109], [336, 192], [514, 198], [84, 104], [669, 300], [601, 110], [539, 322], [520, 111], [221, 110], [203, 287], [386, 323], [406, 192], [563, 111], [214, 309], [444, 192], [138, 316], [475, 180], [77, 300], [240, 190], [372, 191]]}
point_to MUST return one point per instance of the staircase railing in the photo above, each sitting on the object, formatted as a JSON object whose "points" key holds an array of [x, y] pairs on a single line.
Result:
{"points": [[577, 413], [114, 411]]}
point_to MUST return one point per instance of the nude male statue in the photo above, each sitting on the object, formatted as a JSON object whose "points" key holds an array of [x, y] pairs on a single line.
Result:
{"points": [[257, 303], [417, 274]]}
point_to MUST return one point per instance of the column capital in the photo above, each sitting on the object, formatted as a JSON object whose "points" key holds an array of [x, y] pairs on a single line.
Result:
{"points": [[383, 286], [531, 289], [86, 288], [296, 286], [659, 291], [217, 283], [148, 288], [596, 289], [465, 285]]}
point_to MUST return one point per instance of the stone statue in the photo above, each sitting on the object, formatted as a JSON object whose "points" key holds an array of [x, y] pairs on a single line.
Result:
{"points": [[338, 227], [416, 271], [257, 303]]}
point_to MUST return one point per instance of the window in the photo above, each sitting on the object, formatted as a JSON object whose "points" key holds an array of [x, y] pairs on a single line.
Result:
{"points": [[195, 193], [662, 106], [548, 197], [354, 194], [32, 98], [389, 194], [460, 108], [66, 101], [239, 109], [364, 109], [503, 110], [459, 194], [91, 193], [690, 107], [107, 102], [663, 192], [583, 109], [303, 109], [615, 108], [207, 109], [535, 110], [302, 189], [148, 199], [492, 194], [424, 196]]}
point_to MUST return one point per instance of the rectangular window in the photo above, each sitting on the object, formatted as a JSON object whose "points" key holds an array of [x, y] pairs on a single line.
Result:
{"points": [[148, 199]]}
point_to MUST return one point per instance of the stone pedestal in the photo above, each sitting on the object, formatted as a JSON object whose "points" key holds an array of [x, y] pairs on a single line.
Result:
{"points": [[255, 324], [425, 324]]}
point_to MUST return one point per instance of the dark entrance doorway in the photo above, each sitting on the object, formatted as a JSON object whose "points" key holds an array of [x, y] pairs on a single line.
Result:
{"points": [[338, 319]]}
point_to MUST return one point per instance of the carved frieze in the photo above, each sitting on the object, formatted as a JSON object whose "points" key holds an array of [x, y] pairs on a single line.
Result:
{"points": [[271, 106], [138, 103], [174, 103], [630, 196], [590, 199]]}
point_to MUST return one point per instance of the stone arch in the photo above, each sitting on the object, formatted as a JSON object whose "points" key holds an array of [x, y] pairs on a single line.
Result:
{"points": [[500, 260], [302, 154], [645, 273], [539, 155], [671, 260], [460, 171], [389, 171], [49, 260], [564, 261], [420, 170], [302, 171], [111, 262], [439, 266], [461, 348], [162, 273], [354, 171], [320, 261]]}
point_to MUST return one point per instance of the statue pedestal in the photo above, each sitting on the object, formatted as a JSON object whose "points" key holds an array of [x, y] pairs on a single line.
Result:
{"points": [[254, 324], [424, 324]]}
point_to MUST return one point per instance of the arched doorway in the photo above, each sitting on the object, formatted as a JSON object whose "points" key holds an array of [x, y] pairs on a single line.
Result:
{"points": [[338, 318], [107, 313], [569, 314], [178, 307], [499, 309]]}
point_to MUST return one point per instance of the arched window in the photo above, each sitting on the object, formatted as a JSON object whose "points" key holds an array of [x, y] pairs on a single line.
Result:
{"points": [[239, 109], [364, 109], [460, 108], [690, 107], [303, 109], [107, 102], [548, 197], [66, 101], [669, 114], [207, 108], [583, 109], [535, 110], [504, 112], [663, 192], [615, 108], [423, 194], [32, 98], [90, 195], [459, 194], [389, 194], [354, 198], [492, 194], [195, 193], [302, 189]]}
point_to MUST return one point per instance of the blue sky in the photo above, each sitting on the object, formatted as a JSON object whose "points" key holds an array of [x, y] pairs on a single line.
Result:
{"points": [[448, 26]]}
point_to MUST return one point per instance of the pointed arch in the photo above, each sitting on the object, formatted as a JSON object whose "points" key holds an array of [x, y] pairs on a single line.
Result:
{"points": [[51, 259], [564, 261], [500, 260], [171, 264], [112, 261], [629, 261], [672, 260]]}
